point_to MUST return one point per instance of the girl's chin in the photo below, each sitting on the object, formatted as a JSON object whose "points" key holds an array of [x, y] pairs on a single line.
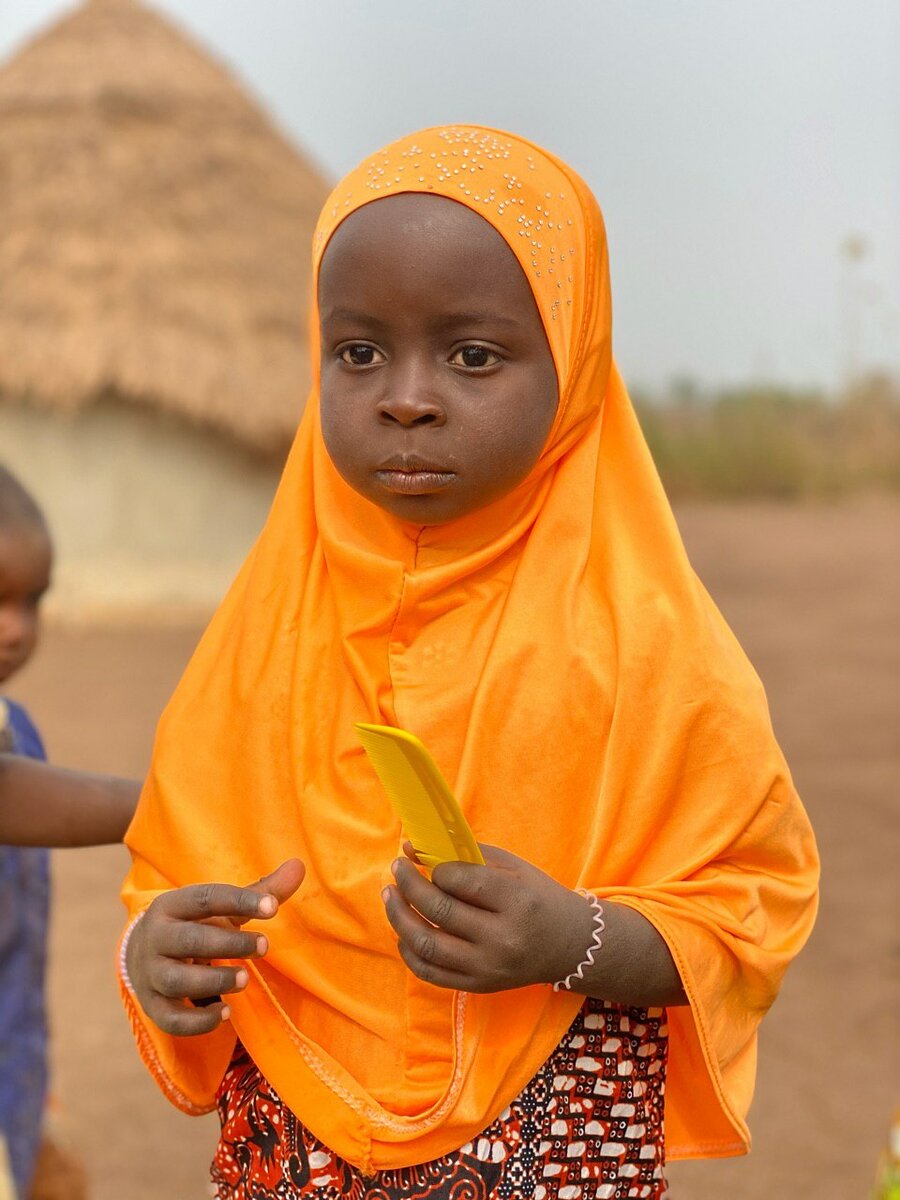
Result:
{"points": [[433, 508]]}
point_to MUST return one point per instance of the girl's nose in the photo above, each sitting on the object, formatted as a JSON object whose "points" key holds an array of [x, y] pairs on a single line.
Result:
{"points": [[411, 405]]}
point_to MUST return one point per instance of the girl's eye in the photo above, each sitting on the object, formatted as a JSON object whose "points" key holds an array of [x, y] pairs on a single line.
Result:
{"points": [[360, 355], [475, 357]]}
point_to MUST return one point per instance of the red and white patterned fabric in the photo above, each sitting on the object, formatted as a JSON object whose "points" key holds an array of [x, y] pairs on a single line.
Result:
{"points": [[589, 1125]]}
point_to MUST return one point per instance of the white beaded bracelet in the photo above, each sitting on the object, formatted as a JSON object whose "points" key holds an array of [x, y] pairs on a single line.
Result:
{"points": [[596, 943], [123, 950]]}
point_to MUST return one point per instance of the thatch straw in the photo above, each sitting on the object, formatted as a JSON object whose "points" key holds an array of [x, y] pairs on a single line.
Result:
{"points": [[154, 230]]}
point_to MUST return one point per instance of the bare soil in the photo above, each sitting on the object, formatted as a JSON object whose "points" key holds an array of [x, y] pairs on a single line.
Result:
{"points": [[814, 594]]}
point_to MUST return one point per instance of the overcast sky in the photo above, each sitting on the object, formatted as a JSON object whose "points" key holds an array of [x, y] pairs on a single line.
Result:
{"points": [[733, 146]]}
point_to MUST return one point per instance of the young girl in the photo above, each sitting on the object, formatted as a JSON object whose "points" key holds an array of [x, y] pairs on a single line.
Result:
{"points": [[470, 542], [36, 1165]]}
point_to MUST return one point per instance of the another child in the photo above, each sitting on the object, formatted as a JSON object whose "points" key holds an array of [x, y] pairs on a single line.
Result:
{"points": [[469, 541], [25, 563]]}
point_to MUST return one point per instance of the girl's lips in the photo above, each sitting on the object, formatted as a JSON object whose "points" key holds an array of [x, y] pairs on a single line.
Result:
{"points": [[414, 483]]}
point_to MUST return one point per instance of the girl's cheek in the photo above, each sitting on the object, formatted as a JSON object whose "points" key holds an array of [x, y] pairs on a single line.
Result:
{"points": [[18, 624]]}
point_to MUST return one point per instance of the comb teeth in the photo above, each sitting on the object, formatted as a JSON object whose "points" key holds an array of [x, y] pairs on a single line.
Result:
{"points": [[401, 782], [429, 814]]}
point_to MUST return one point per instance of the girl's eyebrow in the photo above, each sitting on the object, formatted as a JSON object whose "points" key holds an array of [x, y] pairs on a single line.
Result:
{"points": [[354, 316], [474, 318]]}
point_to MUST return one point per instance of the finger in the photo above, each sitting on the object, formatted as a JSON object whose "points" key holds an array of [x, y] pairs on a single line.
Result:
{"points": [[189, 981], [487, 887], [429, 944], [201, 901], [193, 939], [184, 1020], [441, 909], [430, 972], [411, 853], [275, 888], [283, 881]]}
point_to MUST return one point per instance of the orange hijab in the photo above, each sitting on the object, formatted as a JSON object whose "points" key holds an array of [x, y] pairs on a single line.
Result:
{"points": [[579, 689]]}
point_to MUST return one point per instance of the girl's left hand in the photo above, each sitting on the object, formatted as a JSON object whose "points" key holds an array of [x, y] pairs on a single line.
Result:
{"points": [[487, 929]]}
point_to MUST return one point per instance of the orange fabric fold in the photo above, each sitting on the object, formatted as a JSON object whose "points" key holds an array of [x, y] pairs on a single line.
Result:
{"points": [[577, 686]]}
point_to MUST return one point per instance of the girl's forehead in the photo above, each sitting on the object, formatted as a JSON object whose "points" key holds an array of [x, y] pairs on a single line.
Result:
{"points": [[533, 202], [25, 555], [420, 259], [422, 227]]}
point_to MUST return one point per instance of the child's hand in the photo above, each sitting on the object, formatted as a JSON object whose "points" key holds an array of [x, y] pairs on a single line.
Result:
{"points": [[170, 949], [486, 929]]}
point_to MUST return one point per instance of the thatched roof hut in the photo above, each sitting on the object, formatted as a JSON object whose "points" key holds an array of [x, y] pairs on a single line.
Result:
{"points": [[154, 277], [154, 231]]}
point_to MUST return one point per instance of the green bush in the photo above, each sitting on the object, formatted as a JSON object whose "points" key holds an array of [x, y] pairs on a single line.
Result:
{"points": [[776, 443]]}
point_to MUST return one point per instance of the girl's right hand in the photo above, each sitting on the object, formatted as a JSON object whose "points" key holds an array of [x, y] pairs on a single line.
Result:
{"points": [[170, 948]]}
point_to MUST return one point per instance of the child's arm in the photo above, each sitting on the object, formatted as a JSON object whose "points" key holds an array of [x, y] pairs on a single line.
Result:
{"points": [[508, 924], [41, 805]]}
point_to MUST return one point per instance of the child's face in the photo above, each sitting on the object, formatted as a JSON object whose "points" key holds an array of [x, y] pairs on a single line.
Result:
{"points": [[438, 387], [25, 560]]}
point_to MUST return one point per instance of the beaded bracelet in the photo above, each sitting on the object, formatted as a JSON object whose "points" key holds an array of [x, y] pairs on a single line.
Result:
{"points": [[596, 943], [123, 951]]}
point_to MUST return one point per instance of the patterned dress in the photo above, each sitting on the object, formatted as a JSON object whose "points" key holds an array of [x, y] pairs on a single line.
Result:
{"points": [[24, 913], [589, 1124]]}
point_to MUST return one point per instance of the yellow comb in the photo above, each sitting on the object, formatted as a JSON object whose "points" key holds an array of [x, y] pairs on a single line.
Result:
{"points": [[431, 818]]}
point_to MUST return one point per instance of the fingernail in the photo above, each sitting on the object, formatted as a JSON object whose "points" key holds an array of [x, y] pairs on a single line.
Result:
{"points": [[226, 1012], [262, 945], [267, 905], [241, 979], [385, 894], [395, 867]]}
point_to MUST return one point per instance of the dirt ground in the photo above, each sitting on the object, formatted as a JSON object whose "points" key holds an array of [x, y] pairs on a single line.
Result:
{"points": [[814, 594]]}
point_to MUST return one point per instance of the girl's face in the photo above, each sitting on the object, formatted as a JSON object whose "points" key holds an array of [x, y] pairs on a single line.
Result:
{"points": [[438, 388], [25, 559]]}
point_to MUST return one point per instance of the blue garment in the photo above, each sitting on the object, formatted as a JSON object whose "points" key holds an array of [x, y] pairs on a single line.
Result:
{"points": [[24, 913]]}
